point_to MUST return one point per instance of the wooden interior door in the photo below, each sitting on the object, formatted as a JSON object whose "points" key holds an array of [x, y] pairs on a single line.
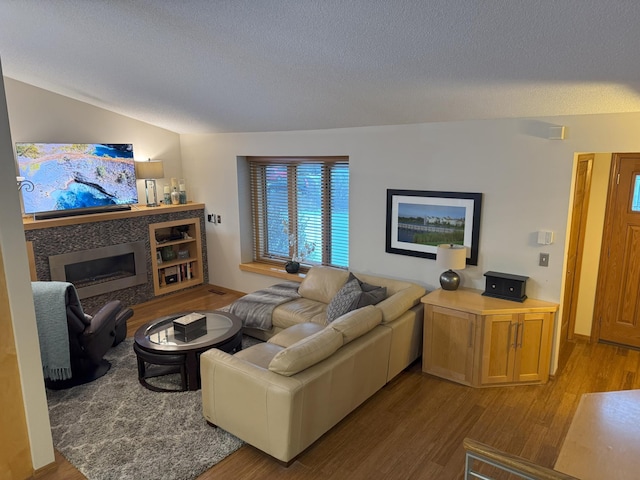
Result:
{"points": [[618, 292], [580, 209]]}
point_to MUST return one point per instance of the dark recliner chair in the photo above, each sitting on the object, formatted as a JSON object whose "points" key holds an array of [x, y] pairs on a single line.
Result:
{"points": [[90, 337]]}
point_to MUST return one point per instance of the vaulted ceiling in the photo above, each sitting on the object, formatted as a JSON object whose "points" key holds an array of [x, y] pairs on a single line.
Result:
{"points": [[203, 66]]}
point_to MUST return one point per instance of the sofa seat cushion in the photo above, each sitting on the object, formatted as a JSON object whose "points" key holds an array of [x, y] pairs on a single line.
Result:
{"points": [[298, 311], [260, 354], [291, 335], [322, 283], [357, 322], [306, 352]]}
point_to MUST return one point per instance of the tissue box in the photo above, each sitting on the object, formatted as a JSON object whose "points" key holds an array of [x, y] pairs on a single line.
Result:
{"points": [[189, 327]]}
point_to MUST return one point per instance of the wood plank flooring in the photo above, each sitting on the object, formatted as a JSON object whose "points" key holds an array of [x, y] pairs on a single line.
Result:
{"points": [[413, 428]]}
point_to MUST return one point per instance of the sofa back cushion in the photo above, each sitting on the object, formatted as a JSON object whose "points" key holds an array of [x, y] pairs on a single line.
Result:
{"points": [[322, 283], [357, 322], [306, 352], [401, 295]]}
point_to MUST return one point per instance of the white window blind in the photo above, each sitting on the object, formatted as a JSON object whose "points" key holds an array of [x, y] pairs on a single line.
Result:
{"points": [[300, 209]]}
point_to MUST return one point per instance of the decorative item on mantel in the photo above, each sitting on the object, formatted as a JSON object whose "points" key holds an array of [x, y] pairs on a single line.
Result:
{"points": [[175, 195], [451, 256], [182, 191], [149, 171]]}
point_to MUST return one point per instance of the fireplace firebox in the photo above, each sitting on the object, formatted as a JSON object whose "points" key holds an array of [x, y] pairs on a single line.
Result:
{"points": [[101, 270]]}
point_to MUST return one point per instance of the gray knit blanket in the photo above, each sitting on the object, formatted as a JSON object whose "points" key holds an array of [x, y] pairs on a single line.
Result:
{"points": [[255, 309], [49, 299]]}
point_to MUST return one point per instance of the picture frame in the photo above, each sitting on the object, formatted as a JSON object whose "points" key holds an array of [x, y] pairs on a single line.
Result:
{"points": [[158, 257], [418, 221]]}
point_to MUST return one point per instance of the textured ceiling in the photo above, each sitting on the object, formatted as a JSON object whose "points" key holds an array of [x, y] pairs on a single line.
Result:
{"points": [[199, 66]]}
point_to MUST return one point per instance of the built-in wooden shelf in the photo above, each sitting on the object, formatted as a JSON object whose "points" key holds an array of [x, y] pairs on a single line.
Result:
{"points": [[189, 269]]}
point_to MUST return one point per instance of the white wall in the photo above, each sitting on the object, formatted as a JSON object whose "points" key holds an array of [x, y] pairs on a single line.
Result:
{"points": [[36, 115], [524, 177], [525, 181]]}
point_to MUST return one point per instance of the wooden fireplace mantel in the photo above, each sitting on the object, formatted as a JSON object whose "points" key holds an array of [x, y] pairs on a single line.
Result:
{"points": [[136, 211]]}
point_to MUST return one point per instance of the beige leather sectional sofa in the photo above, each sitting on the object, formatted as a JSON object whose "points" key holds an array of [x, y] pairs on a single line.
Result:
{"points": [[282, 395]]}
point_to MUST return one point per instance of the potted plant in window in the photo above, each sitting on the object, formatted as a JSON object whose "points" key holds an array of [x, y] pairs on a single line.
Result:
{"points": [[301, 252]]}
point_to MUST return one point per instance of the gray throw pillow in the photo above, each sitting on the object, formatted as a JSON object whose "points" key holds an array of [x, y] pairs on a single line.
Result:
{"points": [[354, 294], [345, 300], [371, 295]]}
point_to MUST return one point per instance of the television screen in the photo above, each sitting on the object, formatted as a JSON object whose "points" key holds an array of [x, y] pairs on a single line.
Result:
{"points": [[68, 176]]}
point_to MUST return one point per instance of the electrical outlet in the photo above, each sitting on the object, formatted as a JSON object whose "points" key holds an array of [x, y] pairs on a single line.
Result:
{"points": [[544, 260], [218, 218]]}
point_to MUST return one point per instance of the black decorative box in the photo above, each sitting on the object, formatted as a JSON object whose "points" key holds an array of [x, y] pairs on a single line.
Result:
{"points": [[189, 327], [506, 286]]}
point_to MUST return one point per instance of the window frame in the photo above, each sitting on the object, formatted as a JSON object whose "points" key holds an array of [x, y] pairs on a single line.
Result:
{"points": [[258, 186]]}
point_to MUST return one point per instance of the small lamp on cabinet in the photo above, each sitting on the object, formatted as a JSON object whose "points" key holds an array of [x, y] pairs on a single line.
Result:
{"points": [[149, 171], [450, 257]]}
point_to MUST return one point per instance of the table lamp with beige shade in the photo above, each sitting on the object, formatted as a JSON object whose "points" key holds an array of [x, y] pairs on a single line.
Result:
{"points": [[451, 257]]}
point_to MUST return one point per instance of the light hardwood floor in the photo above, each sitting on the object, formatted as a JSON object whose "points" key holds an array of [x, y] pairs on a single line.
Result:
{"points": [[414, 427]]}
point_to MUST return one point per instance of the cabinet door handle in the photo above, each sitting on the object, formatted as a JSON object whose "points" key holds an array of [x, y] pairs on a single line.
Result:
{"points": [[471, 334], [515, 336], [520, 330], [510, 345]]}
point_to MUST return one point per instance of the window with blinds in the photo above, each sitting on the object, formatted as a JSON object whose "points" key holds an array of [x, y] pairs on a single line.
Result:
{"points": [[300, 209]]}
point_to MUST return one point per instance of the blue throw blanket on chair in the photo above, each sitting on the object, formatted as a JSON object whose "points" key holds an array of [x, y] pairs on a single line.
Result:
{"points": [[51, 319]]}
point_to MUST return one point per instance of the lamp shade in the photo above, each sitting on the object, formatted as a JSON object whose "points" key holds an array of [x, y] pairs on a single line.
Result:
{"points": [[151, 169], [452, 257]]}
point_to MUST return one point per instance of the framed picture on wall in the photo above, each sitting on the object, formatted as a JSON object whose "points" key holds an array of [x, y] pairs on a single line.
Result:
{"points": [[419, 221]]}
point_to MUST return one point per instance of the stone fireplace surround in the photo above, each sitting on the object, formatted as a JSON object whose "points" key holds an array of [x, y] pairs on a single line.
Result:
{"points": [[72, 234]]}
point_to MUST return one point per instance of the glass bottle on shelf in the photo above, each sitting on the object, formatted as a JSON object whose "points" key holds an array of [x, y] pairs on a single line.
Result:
{"points": [[182, 192], [175, 196], [167, 194]]}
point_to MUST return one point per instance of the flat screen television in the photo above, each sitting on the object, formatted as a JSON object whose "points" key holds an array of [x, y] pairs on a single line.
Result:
{"points": [[76, 178]]}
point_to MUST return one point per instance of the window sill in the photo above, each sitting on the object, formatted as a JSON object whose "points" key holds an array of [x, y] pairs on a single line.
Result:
{"points": [[271, 270]]}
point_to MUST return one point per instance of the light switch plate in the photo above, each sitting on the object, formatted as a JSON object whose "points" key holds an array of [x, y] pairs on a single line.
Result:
{"points": [[544, 260]]}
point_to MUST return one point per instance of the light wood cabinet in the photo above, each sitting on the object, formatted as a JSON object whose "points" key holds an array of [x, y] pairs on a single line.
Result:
{"points": [[176, 255], [449, 338], [482, 341]]}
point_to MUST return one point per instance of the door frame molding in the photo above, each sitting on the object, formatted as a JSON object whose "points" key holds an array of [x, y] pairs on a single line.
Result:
{"points": [[569, 308]]}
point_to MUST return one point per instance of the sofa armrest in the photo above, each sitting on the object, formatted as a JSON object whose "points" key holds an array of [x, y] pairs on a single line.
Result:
{"points": [[256, 405], [105, 318]]}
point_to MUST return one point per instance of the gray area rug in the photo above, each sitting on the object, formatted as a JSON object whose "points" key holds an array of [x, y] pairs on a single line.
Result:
{"points": [[115, 429]]}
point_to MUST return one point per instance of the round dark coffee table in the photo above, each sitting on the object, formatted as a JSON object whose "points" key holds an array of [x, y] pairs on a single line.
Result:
{"points": [[155, 343]]}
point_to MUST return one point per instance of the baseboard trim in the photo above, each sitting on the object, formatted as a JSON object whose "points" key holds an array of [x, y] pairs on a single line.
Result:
{"points": [[581, 338]]}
